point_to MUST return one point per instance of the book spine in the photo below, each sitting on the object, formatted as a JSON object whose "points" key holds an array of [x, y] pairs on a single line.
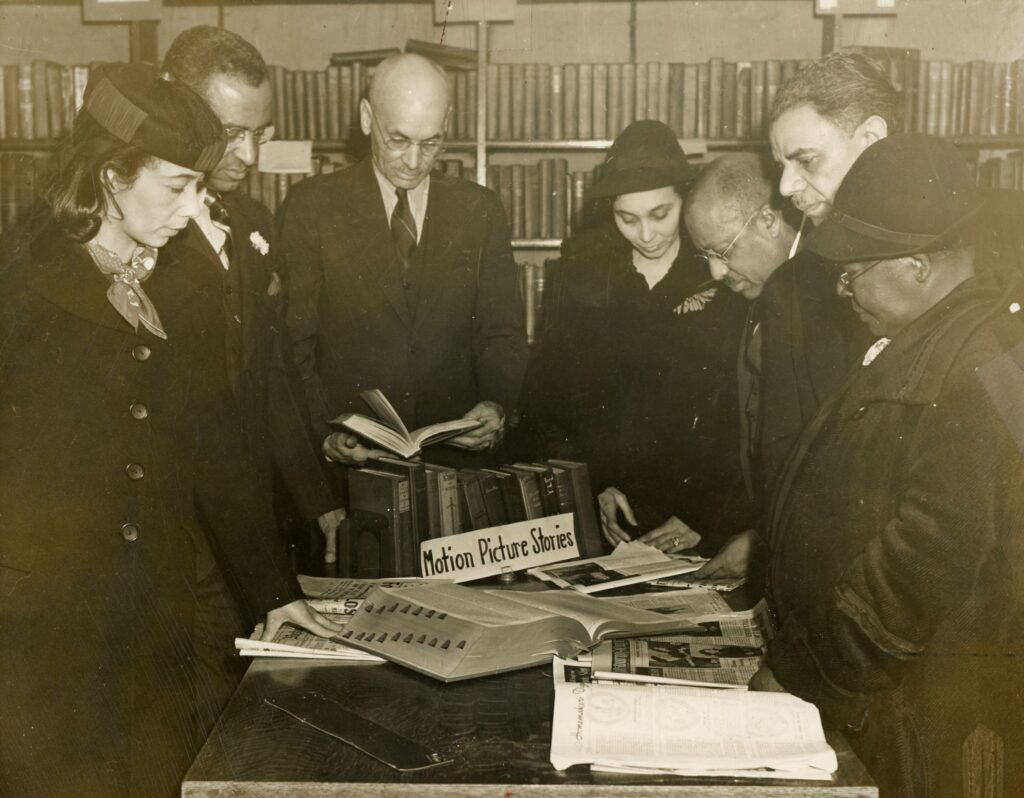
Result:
{"points": [[627, 117], [547, 197], [557, 105], [472, 501], [676, 100], [40, 106], [451, 522], [614, 115], [505, 102], [578, 200], [311, 117], [67, 98], [54, 102], [559, 195], [433, 504], [518, 201], [743, 100], [332, 104], [529, 110], [347, 123], [703, 93], [544, 72], [12, 100], [26, 105], [640, 91], [945, 98], [599, 106], [492, 101], [716, 67], [290, 129], [757, 99], [663, 92], [533, 499], [570, 99], [518, 101], [407, 543], [585, 101], [772, 79], [531, 201], [653, 87]]}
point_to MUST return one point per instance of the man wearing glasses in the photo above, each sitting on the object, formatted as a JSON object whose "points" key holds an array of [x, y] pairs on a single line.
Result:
{"points": [[230, 254], [895, 554], [402, 279]]}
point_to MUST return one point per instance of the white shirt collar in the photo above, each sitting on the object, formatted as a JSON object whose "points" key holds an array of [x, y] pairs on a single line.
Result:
{"points": [[417, 199]]}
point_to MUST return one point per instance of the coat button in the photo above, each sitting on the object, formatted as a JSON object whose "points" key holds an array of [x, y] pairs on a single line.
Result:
{"points": [[130, 532], [141, 352], [138, 410], [134, 471], [859, 412]]}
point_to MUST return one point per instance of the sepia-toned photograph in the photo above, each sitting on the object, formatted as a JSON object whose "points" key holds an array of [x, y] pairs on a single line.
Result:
{"points": [[720, 303]]}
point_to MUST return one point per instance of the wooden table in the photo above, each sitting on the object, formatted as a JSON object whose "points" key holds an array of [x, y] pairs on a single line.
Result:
{"points": [[497, 729]]}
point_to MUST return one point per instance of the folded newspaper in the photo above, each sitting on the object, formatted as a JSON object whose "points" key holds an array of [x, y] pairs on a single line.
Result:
{"points": [[338, 599], [629, 564], [688, 731]]}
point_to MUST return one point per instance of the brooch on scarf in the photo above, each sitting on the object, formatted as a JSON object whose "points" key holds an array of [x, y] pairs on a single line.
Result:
{"points": [[259, 243], [697, 302]]}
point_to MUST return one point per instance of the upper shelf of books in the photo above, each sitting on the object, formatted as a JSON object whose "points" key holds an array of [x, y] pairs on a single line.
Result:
{"points": [[715, 105]]}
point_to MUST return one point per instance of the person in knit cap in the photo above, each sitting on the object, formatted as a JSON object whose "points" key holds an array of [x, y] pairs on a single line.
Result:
{"points": [[636, 371], [122, 480], [896, 570]]}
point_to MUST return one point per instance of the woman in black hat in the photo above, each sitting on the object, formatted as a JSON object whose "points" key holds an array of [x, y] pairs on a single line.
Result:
{"points": [[636, 371], [123, 478]]}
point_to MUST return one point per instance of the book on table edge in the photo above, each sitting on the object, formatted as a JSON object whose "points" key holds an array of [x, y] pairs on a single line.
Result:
{"points": [[451, 632], [389, 431], [380, 507]]}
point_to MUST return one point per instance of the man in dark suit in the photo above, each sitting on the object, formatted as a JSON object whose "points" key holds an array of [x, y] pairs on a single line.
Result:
{"points": [[231, 241], [403, 280], [228, 255]]}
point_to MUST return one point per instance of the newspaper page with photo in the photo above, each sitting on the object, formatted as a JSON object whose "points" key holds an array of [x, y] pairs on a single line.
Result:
{"points": [[689, 729]]}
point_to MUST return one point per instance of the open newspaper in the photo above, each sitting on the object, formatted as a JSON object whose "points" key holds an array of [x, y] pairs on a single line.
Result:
{"points": [[631, 563], [338, 599], [688, 731]]}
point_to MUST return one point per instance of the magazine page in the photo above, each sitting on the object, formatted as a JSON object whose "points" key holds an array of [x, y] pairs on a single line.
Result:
{"points": [[685, 728], [716, 660], [684, 603], [630, 563]]}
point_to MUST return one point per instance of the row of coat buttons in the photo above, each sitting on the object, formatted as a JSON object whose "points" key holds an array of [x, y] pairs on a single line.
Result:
{"points": [[134, 471]]}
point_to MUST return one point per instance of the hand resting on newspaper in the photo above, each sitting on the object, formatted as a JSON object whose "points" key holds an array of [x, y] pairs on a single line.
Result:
{"points": [[302, 615]]}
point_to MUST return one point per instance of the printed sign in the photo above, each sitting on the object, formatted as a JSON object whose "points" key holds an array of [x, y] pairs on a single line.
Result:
{"points": [[512, 547]]}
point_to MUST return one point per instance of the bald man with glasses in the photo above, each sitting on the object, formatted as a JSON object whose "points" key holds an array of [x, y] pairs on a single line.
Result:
{"points": [[402, 279]]}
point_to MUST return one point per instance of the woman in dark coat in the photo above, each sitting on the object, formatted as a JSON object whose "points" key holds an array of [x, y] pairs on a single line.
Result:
{"points": [[637, 367], [123, 481]]}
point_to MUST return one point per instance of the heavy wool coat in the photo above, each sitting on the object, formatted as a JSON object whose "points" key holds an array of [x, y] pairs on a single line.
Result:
{"points": [[268, 393], [461, 340], [896, 563], [642, 383], [123, 478]]}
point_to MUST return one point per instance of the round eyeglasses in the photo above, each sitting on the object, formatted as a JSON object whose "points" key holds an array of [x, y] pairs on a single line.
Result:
{"points": [[723, 256]]}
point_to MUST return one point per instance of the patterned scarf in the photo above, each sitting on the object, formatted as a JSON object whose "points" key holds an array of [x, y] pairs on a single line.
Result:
{"points": [[126, 293]]}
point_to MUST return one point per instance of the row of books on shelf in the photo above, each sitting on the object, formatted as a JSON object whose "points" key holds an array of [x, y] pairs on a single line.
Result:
{"points": [[717, 99], [396, 504], [545, 102]]}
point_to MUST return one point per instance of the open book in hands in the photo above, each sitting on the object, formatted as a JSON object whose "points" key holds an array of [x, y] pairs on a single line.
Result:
{"points": [[389, 432]]}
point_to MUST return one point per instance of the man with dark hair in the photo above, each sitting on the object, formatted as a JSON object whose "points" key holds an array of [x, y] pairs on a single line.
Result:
{"points": [[823, 118], [230, 253], [895, 553], [402, 279]]}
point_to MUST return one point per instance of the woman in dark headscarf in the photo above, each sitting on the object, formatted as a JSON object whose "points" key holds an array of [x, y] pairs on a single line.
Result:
{"points": [[636, 372], [123, 481]]}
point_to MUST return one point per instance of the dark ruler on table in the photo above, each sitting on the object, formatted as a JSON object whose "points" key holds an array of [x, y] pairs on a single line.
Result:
{"points": [[497, 731]]}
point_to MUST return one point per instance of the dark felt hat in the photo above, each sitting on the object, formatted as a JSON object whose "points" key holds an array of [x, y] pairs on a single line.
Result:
{"points": [[644, 156], [163, 118], [905, 194]]}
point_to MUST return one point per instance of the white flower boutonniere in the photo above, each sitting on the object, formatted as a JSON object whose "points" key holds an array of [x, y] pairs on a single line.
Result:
{"points": [[697, 302], [259, 243]]}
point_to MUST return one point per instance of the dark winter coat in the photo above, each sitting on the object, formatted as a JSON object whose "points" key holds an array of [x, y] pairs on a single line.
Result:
{"points": [[896, 563], [642, 383], [123, 479]]}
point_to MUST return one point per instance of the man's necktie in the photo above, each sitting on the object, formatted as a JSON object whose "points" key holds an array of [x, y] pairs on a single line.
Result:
{"points": [[219, 216], [403, 227]]}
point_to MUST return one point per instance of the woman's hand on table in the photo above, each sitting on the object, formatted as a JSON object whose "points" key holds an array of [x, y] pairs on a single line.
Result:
{"points": [[672, 536], [610, 501], [302, 615], [733, 559]]}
